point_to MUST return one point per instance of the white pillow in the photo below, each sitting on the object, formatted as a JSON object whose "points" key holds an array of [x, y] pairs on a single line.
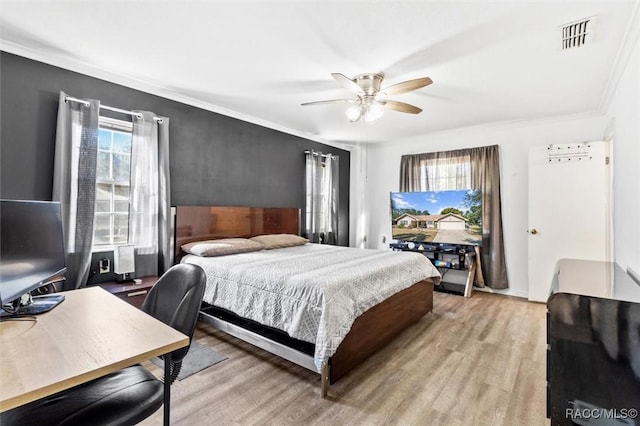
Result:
{"points": [[221, 247], [273, 241]]}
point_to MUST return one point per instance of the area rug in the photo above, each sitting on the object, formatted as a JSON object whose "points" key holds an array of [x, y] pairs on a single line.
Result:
{"points": [[198, 358]]}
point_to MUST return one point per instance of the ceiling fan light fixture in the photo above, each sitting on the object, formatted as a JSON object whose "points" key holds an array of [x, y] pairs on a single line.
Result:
{"points": [[373, 112], [354, 112], [367, 110]]}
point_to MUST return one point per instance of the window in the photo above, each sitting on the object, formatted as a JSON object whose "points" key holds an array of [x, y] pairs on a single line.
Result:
{"points": [[111, 224], [442, 174], [321, 224]]}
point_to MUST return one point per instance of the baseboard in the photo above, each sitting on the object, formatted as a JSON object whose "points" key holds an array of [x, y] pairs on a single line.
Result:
{"points": [[506, 292]]}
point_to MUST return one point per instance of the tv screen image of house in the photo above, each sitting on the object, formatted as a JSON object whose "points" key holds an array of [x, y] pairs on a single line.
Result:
{"points": [[448, 217]]}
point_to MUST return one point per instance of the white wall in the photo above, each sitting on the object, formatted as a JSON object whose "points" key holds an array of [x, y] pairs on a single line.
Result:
{"points": [[514, 139], [624, 115]]}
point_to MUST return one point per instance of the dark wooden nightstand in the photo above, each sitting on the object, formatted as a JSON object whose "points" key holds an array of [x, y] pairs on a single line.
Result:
{"points": [[130, 292]]}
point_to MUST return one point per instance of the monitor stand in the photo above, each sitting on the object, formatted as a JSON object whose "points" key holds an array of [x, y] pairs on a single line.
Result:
{"points": [[38, 305]]}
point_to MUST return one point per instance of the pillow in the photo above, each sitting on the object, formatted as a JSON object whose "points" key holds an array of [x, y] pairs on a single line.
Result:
{"points": [[221, 247], [273, 241]]}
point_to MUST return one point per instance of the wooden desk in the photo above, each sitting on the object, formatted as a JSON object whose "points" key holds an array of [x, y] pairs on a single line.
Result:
{"points": [[89, 335]]}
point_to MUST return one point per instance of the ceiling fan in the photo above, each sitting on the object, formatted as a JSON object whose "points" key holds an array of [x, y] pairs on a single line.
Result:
{"points": [[371, 99]]}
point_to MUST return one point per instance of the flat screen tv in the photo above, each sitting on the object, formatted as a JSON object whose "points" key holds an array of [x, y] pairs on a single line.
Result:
{"points": [[31, 249], [446, 217]]}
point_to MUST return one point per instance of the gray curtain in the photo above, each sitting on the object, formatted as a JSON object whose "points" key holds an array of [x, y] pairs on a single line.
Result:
{"points": [[321, 219], [150, 203], [485, 175], [165, 236], [410, 172], [475, 168], [74, 183]]}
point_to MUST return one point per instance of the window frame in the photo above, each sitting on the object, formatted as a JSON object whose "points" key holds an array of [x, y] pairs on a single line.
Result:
{"points": [[121, 126]]}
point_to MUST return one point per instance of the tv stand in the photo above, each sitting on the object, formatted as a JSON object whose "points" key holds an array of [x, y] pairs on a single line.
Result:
{"points": [[38, 305], [446, 257]]}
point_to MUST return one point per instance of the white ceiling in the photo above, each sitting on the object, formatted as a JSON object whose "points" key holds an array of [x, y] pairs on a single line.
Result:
{"points": [[490, 61]]}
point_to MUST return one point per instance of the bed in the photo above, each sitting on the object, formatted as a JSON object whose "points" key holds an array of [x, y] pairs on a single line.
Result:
{"points": [[318, 304]]}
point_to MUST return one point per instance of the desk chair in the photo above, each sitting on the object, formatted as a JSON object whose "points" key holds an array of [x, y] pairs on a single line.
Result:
{"points": [[175, 300], [132, 394]]}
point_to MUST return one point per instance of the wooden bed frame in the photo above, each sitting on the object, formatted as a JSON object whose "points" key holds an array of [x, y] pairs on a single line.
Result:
{"points": [[370, 332]]}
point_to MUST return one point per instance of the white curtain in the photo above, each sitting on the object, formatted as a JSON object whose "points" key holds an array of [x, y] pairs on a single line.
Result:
{"points": [[74, 183], [149, 214], [321, 219], [447, 173]]}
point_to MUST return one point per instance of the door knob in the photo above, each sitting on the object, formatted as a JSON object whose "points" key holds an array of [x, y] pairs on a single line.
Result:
{"points": [[534, 231]]}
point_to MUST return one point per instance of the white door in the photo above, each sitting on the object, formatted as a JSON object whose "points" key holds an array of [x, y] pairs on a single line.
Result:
{"points": [[569, 209]]}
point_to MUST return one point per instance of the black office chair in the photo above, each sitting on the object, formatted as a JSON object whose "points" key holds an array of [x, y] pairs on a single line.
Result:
{"points": [[175, 300], [132, 394]]}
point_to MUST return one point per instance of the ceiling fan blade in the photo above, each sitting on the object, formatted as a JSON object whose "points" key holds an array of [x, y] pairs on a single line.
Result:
{"points": [[347, 83], [332, 101], [402, 107], [407, 86]]}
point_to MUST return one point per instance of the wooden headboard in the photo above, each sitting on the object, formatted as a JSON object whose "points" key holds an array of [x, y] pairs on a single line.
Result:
{"points": [[198, 223]]}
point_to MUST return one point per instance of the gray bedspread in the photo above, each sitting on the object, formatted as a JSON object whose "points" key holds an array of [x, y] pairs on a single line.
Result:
{"points": [[313, 292]]}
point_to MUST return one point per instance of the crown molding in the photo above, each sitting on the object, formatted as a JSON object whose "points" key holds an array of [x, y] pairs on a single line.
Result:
{"points": [[145, 86], [626, 49]]}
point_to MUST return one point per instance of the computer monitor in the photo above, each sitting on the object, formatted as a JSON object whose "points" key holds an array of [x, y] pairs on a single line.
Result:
{"points": [[31, 251]]}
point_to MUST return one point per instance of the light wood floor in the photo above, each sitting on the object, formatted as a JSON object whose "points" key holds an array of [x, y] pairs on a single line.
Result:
{"points": [[475, 361]]}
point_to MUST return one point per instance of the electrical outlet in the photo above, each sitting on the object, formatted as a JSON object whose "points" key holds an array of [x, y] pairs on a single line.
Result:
{"points": [[105, 266]]}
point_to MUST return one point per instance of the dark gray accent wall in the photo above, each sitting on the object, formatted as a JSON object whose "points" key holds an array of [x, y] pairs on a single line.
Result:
{"points": [[215, 159]]}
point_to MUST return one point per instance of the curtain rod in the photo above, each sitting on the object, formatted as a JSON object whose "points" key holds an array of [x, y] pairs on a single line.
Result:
{"points": [[108, 108], [324, 155]]}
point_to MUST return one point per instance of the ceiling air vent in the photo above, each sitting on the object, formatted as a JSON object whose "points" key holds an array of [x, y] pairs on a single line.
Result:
{"points": [[577, 34]]}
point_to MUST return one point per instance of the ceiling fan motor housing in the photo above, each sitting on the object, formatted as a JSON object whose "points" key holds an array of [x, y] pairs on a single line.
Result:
{"points": [[369, 83]]}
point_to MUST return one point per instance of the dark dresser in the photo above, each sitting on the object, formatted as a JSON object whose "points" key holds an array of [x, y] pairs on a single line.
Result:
{"points": [[593, 352]]}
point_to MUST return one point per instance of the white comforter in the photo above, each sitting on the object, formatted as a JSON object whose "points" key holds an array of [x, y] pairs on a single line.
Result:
{"points": [[313, 292]]}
